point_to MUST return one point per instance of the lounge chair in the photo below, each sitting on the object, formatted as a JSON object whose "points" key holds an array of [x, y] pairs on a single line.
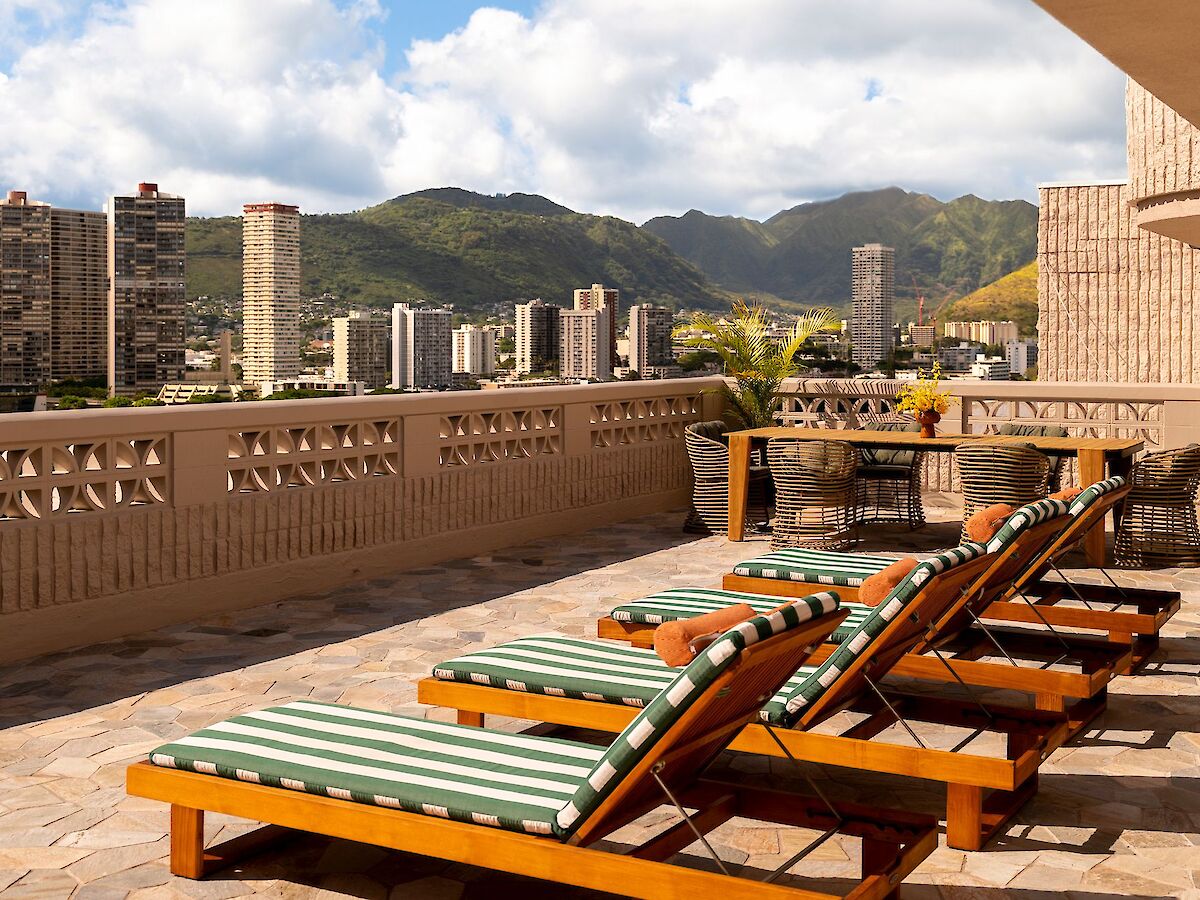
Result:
{"points": [[1068, 673], [535, 806], [600, 684]]}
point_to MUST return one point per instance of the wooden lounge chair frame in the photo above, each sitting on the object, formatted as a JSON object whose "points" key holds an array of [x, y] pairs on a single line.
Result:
{"points": [[894, 843], [964, 649], [983, 791]]}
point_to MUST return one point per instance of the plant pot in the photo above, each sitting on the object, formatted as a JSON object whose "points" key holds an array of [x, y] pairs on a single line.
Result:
{"points": [[929, 420]]}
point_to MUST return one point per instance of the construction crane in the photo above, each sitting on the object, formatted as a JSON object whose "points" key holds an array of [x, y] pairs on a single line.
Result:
{"points": [[920, 300]]}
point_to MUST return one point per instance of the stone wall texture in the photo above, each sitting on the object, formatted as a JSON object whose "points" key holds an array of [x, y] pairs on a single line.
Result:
{"points": [[1164, 148]]}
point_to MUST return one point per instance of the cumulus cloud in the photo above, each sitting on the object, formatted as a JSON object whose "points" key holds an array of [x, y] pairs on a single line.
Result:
{"points": [[614, 106]]}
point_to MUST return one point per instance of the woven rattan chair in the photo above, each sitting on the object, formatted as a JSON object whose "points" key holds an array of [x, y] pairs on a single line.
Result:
{"points": [[1056, 462], [1000, 473], [1158, 527], [709, 458], [889, 481], [815, 494]]}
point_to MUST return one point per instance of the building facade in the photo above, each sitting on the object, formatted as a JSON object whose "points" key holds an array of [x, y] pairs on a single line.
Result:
{"points": [[537, 336], [650, 338], [985, 332], [270, 292], [990, 368], [584, 349], [24, 291], [873, 292], [78, 294], [146, 267], [421, 347], [475, 349], [1022, 356], [600, 297], [361, 349], [921, 335]]}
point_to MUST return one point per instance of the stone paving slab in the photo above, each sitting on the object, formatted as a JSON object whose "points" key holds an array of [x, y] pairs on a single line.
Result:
{"points": [[1117, 815]]}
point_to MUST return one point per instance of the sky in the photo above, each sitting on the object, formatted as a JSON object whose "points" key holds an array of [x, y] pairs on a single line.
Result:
{"points": [[633, 108]]}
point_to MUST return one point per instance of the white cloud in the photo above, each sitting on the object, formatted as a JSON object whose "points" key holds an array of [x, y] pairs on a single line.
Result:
{"points": [[614, 106]]}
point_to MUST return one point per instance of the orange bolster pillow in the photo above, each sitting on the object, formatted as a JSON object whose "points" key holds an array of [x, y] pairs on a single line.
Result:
{"points": [[673, 641], [875, 588], [1066, 495], [982, 526]]}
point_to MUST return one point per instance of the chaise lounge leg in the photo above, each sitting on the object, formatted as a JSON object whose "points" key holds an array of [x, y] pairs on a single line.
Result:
{"points": [[964, 816], [877, 856], [474, 719], [187, 841]]}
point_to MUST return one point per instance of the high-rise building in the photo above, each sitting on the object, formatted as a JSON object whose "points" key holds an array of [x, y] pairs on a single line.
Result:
{"points": [[537, 336], [990, 368], [360, 349], [146, 263], [1022, 355], [584, 349], [650, 338], [270, 292], [984, 332], [600, 297], [421, 347], [475, 349], [873, 291], [921, 335], [24, 291], [78, 294]]}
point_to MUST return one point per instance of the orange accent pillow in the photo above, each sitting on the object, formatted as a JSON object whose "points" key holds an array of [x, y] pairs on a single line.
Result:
{"points": [[675, 642], [1066, 495], [982, 526], [875, 588]]}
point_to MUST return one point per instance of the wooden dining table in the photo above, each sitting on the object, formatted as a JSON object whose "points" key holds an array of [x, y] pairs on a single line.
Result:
{"points": [[1098, 458]]}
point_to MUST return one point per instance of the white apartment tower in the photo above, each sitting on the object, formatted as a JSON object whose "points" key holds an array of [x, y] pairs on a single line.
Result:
{"points": [[873, 290], [537, 336], [360, 349], [475, 349], [270, 292], [584, 348], [421, 347], [600, 297], [146, 262], [650, 338]]}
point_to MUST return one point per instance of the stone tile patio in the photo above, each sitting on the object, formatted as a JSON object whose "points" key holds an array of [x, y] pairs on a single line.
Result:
{"points": [[1118, 813]]}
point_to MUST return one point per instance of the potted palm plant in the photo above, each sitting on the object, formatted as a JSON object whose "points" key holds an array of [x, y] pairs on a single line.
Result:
{"points": [[757, 363]]}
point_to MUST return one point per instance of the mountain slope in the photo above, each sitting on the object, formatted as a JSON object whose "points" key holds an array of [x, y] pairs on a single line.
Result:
{"points": [[1012, 297], [450, 245], [803, 253]]}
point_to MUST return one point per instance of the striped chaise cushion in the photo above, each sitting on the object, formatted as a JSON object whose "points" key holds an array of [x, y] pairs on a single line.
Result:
{"points": [[581, 669], [815, 566], [1094, 492], [1025, 517], [686, 603], [861, 641], [453, 771]]}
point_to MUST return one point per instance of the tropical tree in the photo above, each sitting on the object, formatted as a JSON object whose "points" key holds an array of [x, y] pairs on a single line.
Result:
{"points": [[757, 363]]}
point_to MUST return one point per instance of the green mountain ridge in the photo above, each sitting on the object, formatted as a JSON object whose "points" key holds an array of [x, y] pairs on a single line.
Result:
{"points": [[803, 253]]}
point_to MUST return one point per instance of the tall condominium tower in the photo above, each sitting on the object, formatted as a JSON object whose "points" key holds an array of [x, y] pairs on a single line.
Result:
{"points": [[24, 291], [873, 290], [600, 297], [537, 336], [650, 338], [270, 292], [421, 347], [584, 350], [475, 349], [360, 349], [146, 262]]}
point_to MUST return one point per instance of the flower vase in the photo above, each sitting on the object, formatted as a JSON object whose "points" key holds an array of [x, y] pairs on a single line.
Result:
{"points": [[929, 419]]}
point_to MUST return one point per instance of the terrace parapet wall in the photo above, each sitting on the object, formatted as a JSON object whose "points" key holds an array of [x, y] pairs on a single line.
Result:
{"points": [[115, 521]]}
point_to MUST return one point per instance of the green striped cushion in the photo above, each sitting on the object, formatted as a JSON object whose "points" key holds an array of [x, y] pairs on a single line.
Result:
{"points": [[861, 641], [475, 775], [581, 669], [814, 566], [1025, 517], [642, 734], [1094, 492], [686, 603]]}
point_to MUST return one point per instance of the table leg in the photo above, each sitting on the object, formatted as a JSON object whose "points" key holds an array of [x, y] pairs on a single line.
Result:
{"points": [[1123, 466], [1091, 470], [739, 484]]}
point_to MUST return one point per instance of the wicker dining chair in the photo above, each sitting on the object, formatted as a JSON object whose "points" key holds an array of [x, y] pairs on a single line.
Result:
{"points": [[1158, 527], [1056, 462], [889, 481], [709, 457], [815, 495], [993, 473]]}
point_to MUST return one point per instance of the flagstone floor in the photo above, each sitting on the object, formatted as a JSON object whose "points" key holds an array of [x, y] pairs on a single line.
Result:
{"points": [[1118, 813]]}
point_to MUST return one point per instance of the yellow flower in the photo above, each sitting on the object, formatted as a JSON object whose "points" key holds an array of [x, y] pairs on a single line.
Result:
{"points": [[924, 394]]}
